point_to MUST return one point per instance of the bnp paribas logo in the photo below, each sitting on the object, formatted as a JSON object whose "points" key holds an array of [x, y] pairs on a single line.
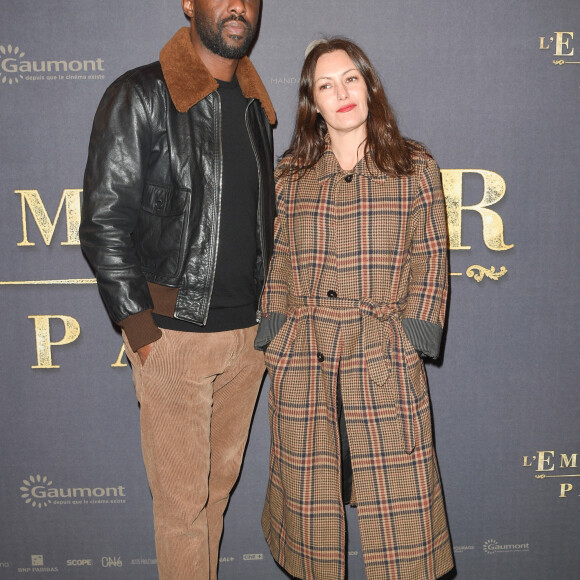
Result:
{"points": [[39, 492], [16, 67], [10, 58]]}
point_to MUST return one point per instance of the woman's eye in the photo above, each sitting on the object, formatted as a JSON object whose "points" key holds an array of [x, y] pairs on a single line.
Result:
{"points": [[350, 79], [324, 86]]}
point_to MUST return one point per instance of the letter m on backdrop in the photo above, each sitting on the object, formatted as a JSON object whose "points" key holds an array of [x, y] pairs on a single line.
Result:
{"points": [[70, 199]]}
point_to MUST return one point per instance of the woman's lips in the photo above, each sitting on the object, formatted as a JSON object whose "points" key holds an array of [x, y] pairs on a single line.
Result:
{"points": [[346, 108]]}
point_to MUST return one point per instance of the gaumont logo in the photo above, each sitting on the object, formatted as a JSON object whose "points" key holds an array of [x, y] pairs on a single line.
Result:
{"points": [[15, 67], [494, 547], [39, 492]]}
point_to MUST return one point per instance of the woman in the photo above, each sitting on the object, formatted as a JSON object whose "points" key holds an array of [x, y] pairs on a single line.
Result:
{"points": [[355, 295]]}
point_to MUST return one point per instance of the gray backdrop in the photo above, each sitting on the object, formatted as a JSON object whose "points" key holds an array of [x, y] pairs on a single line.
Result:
{"points": [[492, 88]]}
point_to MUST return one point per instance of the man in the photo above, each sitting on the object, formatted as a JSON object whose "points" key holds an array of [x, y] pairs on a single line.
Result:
{"points": [[177, 223]]}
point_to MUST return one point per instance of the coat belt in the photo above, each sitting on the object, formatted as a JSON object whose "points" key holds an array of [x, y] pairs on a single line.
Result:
{"points": [[381, 328]]}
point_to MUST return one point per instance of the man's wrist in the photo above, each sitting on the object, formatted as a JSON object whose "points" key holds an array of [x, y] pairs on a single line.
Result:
{"points": [[140, 329]]}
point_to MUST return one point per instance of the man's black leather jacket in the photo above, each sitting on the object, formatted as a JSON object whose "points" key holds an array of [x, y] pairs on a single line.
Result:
{"points": [[152, 189]]}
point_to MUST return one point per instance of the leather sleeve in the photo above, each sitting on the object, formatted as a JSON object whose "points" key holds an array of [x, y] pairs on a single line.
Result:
{"points": [[118, 155], [277, 287]]}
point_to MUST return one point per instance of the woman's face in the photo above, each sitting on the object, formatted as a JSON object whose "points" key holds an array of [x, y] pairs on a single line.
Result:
{"points": [[340, 93]]}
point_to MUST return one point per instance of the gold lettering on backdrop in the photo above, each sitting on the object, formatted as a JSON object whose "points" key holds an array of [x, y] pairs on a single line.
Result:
{"points": [[547, 467], [568, 461], [119, 363], [44, 343], [544, 459], [494, 188], [542, 42], [48, 282], [478, 272], [71, 199], [563, 41]]}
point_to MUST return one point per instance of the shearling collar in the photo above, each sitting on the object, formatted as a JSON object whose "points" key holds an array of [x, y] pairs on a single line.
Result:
{"points": [[189, 81]]}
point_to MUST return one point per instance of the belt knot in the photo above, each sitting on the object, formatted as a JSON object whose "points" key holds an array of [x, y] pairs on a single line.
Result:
{"points": [[379, 310]]}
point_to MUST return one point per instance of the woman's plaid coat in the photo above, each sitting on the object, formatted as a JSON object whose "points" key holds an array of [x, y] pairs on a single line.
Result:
{"points": [[357, 255]]}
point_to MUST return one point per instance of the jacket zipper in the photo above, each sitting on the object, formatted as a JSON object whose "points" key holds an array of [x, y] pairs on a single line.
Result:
{"points": [[218, 127], [260, 200]]}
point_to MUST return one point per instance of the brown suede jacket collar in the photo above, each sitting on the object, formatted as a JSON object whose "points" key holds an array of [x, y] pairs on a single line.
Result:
{"points": [[189, 81]]}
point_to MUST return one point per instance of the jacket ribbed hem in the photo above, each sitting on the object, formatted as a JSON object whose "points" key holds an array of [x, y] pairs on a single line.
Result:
{"points": [[140, 329]]}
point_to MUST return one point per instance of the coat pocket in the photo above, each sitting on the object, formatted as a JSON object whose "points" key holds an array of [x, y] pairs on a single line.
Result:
{"points": [[160, 233], [280, 348], [414, 367]]}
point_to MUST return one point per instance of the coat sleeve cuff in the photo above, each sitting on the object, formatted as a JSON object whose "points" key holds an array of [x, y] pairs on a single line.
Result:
{"points": [[140, 329], [424, 336], [268, 329]]}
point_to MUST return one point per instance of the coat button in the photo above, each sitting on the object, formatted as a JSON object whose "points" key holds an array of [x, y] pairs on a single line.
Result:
{"points": [[348, 178], [332, 294], [320, 357]]}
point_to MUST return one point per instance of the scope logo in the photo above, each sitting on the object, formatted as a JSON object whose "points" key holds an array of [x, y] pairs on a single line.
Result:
{"points": [[83, 562]]}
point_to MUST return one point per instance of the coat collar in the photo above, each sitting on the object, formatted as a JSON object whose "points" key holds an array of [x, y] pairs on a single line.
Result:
{"points": [[328, 165], [189, 81]]}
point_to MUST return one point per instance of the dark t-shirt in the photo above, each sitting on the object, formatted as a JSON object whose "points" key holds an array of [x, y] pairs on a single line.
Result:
{"points": [[233, 299]]}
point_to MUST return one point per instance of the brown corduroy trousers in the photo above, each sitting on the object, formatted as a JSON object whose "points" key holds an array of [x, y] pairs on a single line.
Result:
{"points": [[197, 393]]}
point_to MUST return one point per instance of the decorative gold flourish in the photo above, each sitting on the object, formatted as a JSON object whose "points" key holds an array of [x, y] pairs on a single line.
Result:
{"points": [[478, 272], [559, 62], [49, 282], [543, 475]]}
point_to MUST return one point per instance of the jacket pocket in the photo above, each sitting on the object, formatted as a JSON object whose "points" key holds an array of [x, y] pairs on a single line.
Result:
{"points": [[160, 233]]}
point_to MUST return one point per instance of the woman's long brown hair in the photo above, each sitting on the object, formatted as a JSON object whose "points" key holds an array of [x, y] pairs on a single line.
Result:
{"points": [[391, 153]]}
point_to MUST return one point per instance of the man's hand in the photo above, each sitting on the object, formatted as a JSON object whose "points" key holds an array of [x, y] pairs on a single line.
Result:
{"points": [[144, 351]]}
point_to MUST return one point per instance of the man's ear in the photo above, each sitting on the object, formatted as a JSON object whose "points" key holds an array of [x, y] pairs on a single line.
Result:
{"points": [[188, 7]]}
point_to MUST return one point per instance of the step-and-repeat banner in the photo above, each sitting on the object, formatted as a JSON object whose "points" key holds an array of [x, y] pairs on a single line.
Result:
{"points": [[493, 89]]}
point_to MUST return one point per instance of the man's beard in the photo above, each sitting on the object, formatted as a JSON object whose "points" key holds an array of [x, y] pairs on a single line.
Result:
{"points": [[214, 40]]}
